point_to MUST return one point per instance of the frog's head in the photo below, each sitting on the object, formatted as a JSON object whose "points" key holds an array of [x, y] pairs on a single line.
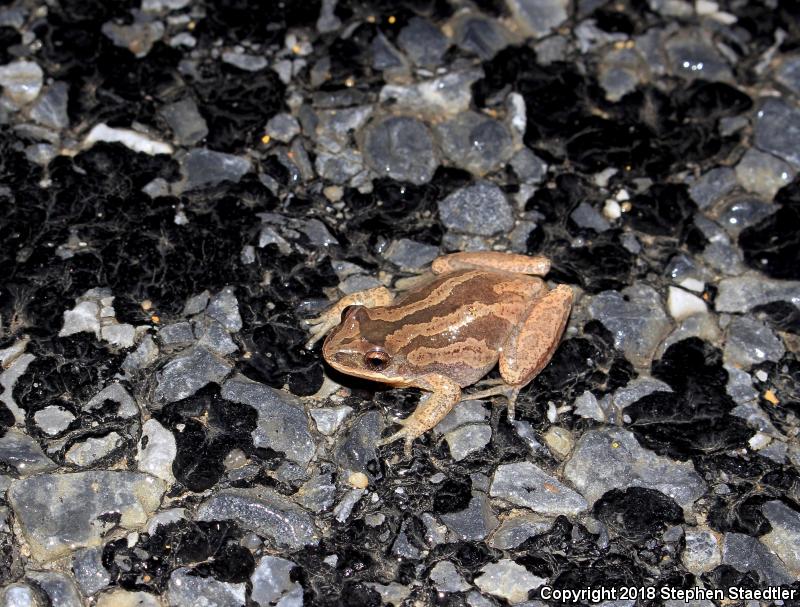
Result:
{"points": [[348, 349]]}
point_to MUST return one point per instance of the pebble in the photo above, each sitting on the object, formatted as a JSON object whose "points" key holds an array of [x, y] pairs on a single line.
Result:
{"points": [[518, 527], [743, 212], [19, 594], [475, 522], [410, 255], [682, 304], [620, 71], [157, 451], [60, 513], [185, 375], [439, 97], [53, 420], [525, 484], [423, 42], [559, 440], [702, 552], [21, 81], [586, 406], [777, 129], [224, 308], [265, 512], [467, 412], [385, 56], [328, 419], [138, 37], [203, 168], [392, 593], [400, 147], [480, 35], [87, 567], [179, 334], [467, 440], [742, 293], [317, 494], [14, 364], [245, 61], [272, 582], [763, 174], [446, 578], [692, 55], [528, 167], [480, 208], [141, 358], [283, 127], [637, 389], [133, 140], [59, 588], [788, 73], [508, 580], [586, 216], [340, 167], [612, 458], [22, 454], [184, 589], [357, 449], [344, 508], [784, 538], [185, 120], [84, 317], [475, 142], [119, 597], [93, 449], [50, 109], [712, 186], [115, 392], [282, 421], [538, 18], [745, 553], [749, 342], [636, 319]]}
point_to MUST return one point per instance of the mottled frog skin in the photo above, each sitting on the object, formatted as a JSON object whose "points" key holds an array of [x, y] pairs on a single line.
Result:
{"points": [[477, 310]]}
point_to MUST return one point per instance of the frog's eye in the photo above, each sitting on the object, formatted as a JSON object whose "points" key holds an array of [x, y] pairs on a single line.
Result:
{"points": [[376, 360]]}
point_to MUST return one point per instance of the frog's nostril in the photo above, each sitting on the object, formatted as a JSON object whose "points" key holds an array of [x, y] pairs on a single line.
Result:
{"points": [[376, 360]]}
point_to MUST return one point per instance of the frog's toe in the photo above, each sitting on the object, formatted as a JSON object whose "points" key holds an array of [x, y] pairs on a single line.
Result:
{"points": [[406, 434]]}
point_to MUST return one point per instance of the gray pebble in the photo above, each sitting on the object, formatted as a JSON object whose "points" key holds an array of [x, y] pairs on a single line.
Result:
{"points": [[743, 212], [517, 528], [788, 73], [508, 580], [400, 147], [525, 484], [93, 449], [745, 553], [410, 254], [528, 167], [50, 109], [87, 567], [480, 35], [702, 552], [282, 421], [423, 42], [784, 538], [743, 293], [777, 130], [204, 168], [538, 18], [712, 186], [475, 142], [613, 459], [185, 120], [468, 439], [272, 582], [22, 454], [265, 512], [138, 37], [586, 216], [635, 317], [185, 375], [763, 174], [59, 588], [480, 208], [475, 522], [224, 308], [60, 513], [53, 420], [177, 334], [184, 589], [328, 419], [750, 342], [446, 578], [283, 127]]}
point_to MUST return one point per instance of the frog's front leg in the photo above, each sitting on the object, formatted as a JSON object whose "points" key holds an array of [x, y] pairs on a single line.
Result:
{"points": [[444, 395], [494, 260], [322, 324]]}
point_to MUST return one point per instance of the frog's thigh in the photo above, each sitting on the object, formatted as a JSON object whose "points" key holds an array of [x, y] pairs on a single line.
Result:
{"points": [[495, 260], [531, 348], [322, 324]]}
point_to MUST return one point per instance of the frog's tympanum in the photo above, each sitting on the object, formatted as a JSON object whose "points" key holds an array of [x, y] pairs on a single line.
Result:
{"points": [[478, 310]]}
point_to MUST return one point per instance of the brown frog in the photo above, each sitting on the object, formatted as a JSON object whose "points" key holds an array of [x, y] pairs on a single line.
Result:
{"points": [[478, 310]]}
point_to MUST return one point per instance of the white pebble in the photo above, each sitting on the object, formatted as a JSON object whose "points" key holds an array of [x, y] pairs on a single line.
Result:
{"points": [[682, 304]]}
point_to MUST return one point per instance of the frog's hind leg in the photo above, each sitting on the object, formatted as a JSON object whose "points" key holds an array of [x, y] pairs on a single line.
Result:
{"points": [[444, 395], [502, 389], [532, 346], [493, 260]]}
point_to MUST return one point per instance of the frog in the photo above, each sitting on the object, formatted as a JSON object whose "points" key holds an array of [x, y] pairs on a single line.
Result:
{"points": [[472, 312]]}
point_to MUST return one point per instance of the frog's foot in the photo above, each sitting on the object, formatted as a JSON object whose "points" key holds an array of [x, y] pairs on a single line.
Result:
{"points": [[330, 318], [406, 433], [503, 389]]}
